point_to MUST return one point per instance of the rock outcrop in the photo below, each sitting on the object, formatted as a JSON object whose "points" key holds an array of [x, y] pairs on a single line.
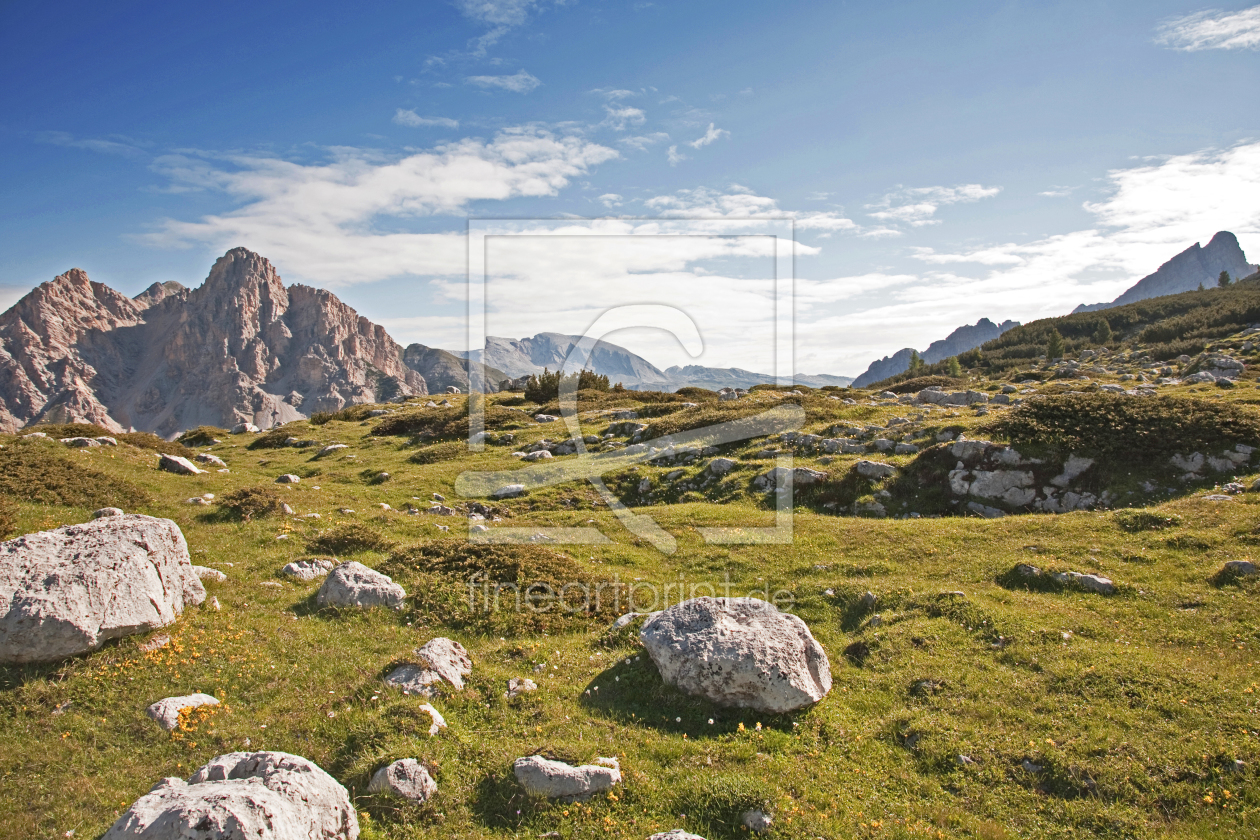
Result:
{"points": [[354, 585], [240, 348], [738, 652], [260, 796], [68, 591]]}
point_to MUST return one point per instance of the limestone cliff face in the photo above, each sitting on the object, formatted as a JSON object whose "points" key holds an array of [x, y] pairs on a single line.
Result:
{"points": [[240, 348]]}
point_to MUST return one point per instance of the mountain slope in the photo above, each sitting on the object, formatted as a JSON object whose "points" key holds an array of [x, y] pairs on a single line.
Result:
{"points": [[1186, 272], [442, 369], [241, 347], [960, 340]]}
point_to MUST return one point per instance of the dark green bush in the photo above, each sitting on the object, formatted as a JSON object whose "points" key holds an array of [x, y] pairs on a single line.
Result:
{"points": [[275, 438], [447, 423], [545, 387], [439, 452], [33, 471], [1117, 428], [918, 383], [348, 539], [1136, 521], [202, 436], [248, 503]]}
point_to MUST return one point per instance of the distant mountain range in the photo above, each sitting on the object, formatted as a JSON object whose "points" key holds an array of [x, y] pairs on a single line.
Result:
{"points": [[528, 356], [959, 341], [1185, 272]]}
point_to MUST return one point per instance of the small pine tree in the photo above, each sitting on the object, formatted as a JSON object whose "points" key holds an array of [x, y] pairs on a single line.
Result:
{"points": [[1201, 289], [1102, 335], [955, 369], [916, 363], [1054, 345], [1223, 280]]}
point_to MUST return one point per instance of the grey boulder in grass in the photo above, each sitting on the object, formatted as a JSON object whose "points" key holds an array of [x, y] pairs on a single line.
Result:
{"points": [[739, 652], [68, 591], [166, 712], [406, 778], [354, 585], [442, 660], [556, 780], [243, 796]]}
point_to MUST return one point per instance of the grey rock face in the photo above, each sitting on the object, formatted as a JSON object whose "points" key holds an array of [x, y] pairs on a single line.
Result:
{"points": [[107, 511], [354, 585], [518, 686], [178, 465], [307, 570], [556, 780], [166, 712], [406, 778], [781, 477], [243, 796], [721, 466], [874, 470], [68, 591], [738, 652], [288, 478], [675, 834], [1093, 583]]}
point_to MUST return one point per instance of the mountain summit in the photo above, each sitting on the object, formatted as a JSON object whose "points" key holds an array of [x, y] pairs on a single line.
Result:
{"points": [[1185, 272], [242, 347]]}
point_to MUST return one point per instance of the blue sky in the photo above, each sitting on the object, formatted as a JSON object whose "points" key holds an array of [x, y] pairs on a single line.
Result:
{"points": [[943, 161]]}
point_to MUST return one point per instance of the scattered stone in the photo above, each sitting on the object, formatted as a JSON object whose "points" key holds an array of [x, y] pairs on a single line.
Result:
{"points": [[80, 442], [1093, 583], [1218, 497], [738, 652], [215, 605], [441, 660], [330, 449], [781, 477], [874, 470], [721, 466], [166, 712], [509, 491], [540, 455], [106, 511], [406, 778], [438, 722], [70, 590], [156, 643], [244, 795], [207, 573], [354, 585], [756, 821], [245, 428], [307, 570], [965, 761], [288, 478], [212, 460], [556, 780], [287, 509], [1240, 568], [675, 834], [518, 686], [177, 465]]}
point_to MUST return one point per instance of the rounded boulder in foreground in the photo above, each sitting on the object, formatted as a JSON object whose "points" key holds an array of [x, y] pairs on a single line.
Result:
{"points": [[739, 652], [240, 796], [355, 585], [407, 778]]}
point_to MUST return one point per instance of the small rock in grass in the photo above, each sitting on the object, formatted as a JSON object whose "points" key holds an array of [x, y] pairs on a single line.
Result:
{"points": [[439, 722], [166, 712], [518, 686], [1240, 568], [286, 509], [107, 511], [212, 460], [354, 585], [509, 491], [756, 821], [556, 780], [307, 570], [156, 643], [207, 573], [675, 834], [406, 778], [178, 465], [288, 478]]}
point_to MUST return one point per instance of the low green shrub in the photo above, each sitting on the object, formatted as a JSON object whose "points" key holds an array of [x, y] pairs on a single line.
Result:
{"points": [[918, 383], [202, 436], [439, 452], [1136, 521], [8, 517], [349, 539], [33, 471], [248, 503]]}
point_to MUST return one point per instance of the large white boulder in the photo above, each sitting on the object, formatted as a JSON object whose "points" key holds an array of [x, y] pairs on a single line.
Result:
{"points": [[407, 778], [738, 652], [243, 796], [70, 590], [556, 780], [354, 585], [178, 465]]}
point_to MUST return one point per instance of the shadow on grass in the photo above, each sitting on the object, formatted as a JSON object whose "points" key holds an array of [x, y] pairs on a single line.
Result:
{"points": [[498, 801]]}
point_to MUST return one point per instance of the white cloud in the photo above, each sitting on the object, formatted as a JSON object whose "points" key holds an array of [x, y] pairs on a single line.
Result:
{"points": [[673, 156], [1154, 211], [620, 117], [336, 223], [1213, 30], [119, 145], [1057, 192], [520, 82], [917, 206], [615, 94], [709, 136], [414, 120], [611, 200], [643, 141], [502, 16], [739, 203]]}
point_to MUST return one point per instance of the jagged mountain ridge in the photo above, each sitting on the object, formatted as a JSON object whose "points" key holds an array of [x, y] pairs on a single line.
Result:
{"points": [[442, 369], [966, 337], [1185, 272], [239, 348]]}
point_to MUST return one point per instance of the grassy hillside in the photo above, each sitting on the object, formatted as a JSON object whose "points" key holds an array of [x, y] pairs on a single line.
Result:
{"points": [[1163, 328], [1129, 716]]}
